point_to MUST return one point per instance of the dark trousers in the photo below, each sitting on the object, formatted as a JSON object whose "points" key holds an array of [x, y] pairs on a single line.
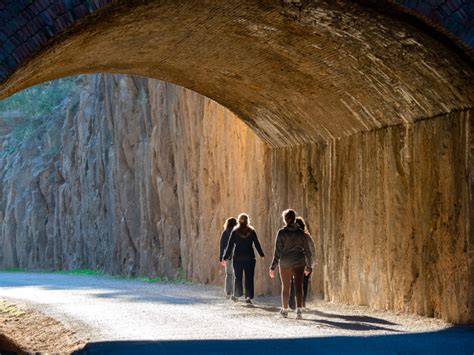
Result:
{"points": [[292, 302], [287, 274], [241, 267]]}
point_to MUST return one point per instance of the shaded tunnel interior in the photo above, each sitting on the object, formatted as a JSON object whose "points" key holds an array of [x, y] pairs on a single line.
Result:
{"points": [[366, 122]]}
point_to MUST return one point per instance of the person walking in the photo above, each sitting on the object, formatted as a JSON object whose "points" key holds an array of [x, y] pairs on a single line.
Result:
{"points": [[242, 241], [229, 225], [307, 277], [293, 255]]}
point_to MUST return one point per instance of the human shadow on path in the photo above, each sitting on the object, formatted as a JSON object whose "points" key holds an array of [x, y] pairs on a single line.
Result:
{"points": [[351, 325], [267, 308], [350, 318], [455, 340], [354, 322]]}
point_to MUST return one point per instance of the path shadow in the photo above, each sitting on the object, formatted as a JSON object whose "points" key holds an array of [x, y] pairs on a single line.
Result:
{"points": [[350, 318], [267, 308], [8, 347], [356, 323], [449, 341], [351, 325]]}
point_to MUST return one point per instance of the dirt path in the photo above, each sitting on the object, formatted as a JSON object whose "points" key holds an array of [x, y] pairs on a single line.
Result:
{"points": [[102, 308], [24, 330]]}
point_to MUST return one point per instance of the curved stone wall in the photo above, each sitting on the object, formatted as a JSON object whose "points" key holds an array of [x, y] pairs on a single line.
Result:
{"points": [[294, 74], [454, 15], [26, 26]]}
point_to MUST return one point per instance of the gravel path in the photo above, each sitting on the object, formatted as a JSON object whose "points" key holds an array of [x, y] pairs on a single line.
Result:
{"points": [[102, 308]]}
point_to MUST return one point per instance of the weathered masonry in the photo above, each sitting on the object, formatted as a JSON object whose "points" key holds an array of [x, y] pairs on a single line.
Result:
{"points": [[374, 98]]}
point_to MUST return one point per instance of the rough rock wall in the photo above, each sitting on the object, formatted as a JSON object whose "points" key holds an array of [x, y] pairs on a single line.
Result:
{"points": [[26, 195], [220, 169], [395, 219], [145, 178]]}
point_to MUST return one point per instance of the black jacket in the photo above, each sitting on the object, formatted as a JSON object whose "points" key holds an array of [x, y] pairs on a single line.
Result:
{"points": [[291, 248], [242, 245], [224, 241]]}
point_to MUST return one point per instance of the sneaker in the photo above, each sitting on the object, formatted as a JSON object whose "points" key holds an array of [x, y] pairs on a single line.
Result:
{"points": [[235, 299], [228, 297], [299, 314], [248, 301], [284, 313]]}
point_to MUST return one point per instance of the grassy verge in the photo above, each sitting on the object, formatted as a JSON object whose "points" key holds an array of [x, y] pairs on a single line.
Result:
{"points": [[79, 272], [140, 278], [179, 277], [13, 269], [10, 308]]}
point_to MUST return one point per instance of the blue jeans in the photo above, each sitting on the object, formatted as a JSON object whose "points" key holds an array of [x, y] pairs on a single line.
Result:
{"points": [[229, 278]]}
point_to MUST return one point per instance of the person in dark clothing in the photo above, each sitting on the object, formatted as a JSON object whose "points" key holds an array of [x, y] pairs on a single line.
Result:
{"points": [[293, 254], [241, 242], [229, 225], [307, 277]]}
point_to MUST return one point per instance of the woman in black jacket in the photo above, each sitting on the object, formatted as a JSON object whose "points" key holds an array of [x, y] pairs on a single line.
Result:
{"points": [[229, 225], [241, 243]]}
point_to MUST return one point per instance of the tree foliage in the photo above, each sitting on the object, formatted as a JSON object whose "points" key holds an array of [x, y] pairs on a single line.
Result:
{"points": [[26, 111], [39, 100]]}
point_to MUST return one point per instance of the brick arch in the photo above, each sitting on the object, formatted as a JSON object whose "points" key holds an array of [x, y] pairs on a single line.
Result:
{"points": [[455, 16], [295, 71]]}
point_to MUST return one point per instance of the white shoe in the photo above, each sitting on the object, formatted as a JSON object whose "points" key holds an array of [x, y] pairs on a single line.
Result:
{"points": [[299, 313], [284, 312]]}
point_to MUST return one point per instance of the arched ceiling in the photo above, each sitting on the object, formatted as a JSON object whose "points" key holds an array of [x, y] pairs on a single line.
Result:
{"points": [[295, 71]]}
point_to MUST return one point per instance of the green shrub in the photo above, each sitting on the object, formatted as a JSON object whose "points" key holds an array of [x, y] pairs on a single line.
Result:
{"points": [[40, 99], [180, 276], [27, 111]]}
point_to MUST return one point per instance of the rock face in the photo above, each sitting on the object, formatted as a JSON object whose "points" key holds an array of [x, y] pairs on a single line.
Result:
{"points": [[145, 178], [148, 171], [394, 218]]}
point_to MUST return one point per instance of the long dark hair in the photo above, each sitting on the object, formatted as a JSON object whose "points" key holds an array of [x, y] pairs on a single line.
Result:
{"points": [[230, 223], [301, 223]]}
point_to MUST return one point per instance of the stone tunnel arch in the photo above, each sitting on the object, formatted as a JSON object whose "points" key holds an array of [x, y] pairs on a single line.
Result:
{"points": [[297, 75]]}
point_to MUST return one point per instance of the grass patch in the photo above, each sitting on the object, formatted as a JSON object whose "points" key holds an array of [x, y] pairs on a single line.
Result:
{"points": [[73, 271], [10, 308], [80, 272], [139, 278], [13, 269], [179, 277]]}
